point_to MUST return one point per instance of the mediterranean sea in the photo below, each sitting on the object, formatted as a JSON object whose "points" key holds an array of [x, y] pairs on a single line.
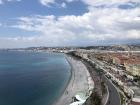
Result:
{"points": [[32, 78]]}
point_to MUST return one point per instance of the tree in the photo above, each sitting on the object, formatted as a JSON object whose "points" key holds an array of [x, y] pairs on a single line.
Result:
{"points": [[95, 99]]}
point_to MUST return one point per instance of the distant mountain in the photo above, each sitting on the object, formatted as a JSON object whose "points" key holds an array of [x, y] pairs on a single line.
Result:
{"points": [[115, 47]]}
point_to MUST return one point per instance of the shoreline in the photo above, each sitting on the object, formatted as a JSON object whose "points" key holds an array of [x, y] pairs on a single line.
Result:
{"points": [[67, 84], [79, 81]]}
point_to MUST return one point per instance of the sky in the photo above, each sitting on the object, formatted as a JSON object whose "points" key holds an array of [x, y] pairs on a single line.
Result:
{"points": [[28, 23]]}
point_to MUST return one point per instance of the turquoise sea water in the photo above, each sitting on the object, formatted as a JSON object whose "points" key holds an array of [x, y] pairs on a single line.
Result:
{"points": [[32, 78]]}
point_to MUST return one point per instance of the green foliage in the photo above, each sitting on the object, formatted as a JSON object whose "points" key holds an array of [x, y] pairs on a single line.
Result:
{"points": [[103, 87], [95, 99]]}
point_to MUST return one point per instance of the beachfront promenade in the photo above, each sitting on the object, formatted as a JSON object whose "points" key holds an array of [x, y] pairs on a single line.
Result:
{"points": [[80, 82]]}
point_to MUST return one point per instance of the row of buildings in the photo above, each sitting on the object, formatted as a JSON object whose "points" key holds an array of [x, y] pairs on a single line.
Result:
{"points": [[122, 68], [129, 62]]}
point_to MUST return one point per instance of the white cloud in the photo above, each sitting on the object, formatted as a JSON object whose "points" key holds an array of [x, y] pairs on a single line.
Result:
{"points": [[92, 3], [70, 1], [107, 2], [133, 34], [20, 42], [3, 1], [47, 2], [100, 25], [97, 26], [63, 5]]}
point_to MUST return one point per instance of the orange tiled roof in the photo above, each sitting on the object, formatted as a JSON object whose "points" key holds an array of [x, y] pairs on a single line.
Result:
{"points": [[129, 60], [133, 61]]}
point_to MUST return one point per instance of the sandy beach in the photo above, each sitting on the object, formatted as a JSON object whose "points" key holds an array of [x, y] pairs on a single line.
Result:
{"points": [[80, 82]]}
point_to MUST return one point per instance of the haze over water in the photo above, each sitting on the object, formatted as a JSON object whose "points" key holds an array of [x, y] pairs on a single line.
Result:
{"points": [[29, 78]]}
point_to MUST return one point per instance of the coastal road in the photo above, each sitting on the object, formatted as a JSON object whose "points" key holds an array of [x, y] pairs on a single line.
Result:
{"points": [[114, 98]]}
